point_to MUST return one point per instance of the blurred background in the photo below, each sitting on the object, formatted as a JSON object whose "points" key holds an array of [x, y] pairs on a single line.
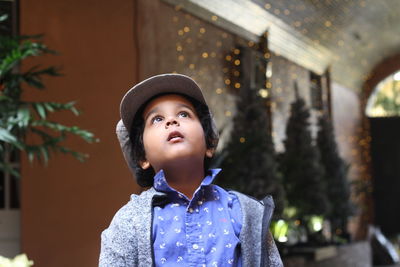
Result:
{"points": [[306, 95]]}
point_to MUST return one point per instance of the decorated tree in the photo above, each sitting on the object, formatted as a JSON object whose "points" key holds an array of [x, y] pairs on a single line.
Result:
{"points": [[338, 188], [300, 164], [248, 159]]}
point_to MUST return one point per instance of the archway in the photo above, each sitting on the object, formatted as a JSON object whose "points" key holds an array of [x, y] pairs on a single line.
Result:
{"points": [[383, 112]]}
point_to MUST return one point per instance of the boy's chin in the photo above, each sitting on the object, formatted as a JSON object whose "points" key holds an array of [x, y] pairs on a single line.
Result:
{"points": [[180, 159]]}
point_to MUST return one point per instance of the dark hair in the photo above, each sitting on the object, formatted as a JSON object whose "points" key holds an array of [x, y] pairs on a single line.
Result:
{"points": [[145, 177]]}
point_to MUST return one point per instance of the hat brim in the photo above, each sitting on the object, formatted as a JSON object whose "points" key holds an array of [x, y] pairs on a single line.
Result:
{"points": [[159, 84]]}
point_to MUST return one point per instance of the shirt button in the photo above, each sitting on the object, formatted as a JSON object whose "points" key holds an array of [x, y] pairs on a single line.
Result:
{"points": [[190, 210], [200, 203], [195, 246]]}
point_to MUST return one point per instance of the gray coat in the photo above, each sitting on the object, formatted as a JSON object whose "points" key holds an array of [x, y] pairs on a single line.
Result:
{"points": [[127, 241]]}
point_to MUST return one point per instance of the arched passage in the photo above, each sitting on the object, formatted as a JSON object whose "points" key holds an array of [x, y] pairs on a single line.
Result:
{"points": [[384, 100], [385, 152]]}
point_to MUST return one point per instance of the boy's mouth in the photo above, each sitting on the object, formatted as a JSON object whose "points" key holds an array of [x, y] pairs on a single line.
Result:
{"points": [[174, 136]]}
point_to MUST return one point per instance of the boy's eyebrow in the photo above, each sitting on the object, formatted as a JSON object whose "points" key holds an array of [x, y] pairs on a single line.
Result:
{"points": [[185, 106], [154, 110]]}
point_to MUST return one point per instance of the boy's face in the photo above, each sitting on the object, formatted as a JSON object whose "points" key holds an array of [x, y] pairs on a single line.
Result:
{"points": [[172, 133]]}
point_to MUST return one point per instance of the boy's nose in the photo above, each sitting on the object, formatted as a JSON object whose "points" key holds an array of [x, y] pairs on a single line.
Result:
{"points": [[171, 122]]}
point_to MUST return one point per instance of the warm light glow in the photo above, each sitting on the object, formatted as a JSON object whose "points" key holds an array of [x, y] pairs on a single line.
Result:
{"points": [[282, 239], [316, 222], [328, 23], [396, 76], [263, 93]]}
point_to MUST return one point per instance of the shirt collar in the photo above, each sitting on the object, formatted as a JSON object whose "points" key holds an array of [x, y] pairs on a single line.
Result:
{"points": [[161, 184]]}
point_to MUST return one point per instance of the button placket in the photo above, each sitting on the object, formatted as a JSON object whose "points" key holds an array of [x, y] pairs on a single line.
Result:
{"points": [[195, 245]]}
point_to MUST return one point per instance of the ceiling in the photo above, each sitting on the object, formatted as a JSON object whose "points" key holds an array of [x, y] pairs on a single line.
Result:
{"points": [[349, 36]]}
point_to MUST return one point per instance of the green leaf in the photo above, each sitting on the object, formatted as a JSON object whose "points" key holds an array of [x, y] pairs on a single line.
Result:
{"points": [[48, 106], [45, 153], [31, 155], [23, 117], [8, 137], [41, 110], [3, 17], [9, 168]]}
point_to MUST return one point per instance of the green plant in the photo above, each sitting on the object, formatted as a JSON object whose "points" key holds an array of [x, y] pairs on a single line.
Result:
{"points": [[301, 167], [248, 159], [336, 178], [20, 119]]}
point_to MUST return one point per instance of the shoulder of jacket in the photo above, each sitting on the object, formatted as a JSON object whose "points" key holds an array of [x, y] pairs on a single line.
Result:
{"points": [[249, 200], [135, 206], [246, 199]]}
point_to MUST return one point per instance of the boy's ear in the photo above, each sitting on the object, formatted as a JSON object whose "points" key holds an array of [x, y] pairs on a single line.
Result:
{"points": [[144, 164], [210, 152]]}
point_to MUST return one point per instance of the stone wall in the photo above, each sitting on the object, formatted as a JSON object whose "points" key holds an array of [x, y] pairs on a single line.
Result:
{"points": [[284, 75], [171, 40]]}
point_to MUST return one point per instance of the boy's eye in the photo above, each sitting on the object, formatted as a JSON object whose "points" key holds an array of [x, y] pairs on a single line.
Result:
{"points": [[156, 119], [183, 114]]}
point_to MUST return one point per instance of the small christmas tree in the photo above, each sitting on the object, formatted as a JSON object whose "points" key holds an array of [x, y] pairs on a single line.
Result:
{"points": [[301, 168], [248, 160], [249, 163], [338, 187]]}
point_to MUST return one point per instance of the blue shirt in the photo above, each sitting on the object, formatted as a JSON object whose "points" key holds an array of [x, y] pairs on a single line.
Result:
{"points": [[203, 231]]}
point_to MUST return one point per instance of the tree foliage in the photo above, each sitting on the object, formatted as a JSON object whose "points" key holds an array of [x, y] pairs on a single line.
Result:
{"points": [[336, 169], [301, 167], [20, 119], [249, 162]]}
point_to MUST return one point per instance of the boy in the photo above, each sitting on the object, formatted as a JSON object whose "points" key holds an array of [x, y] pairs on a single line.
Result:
{"points": [[167, 135]]}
